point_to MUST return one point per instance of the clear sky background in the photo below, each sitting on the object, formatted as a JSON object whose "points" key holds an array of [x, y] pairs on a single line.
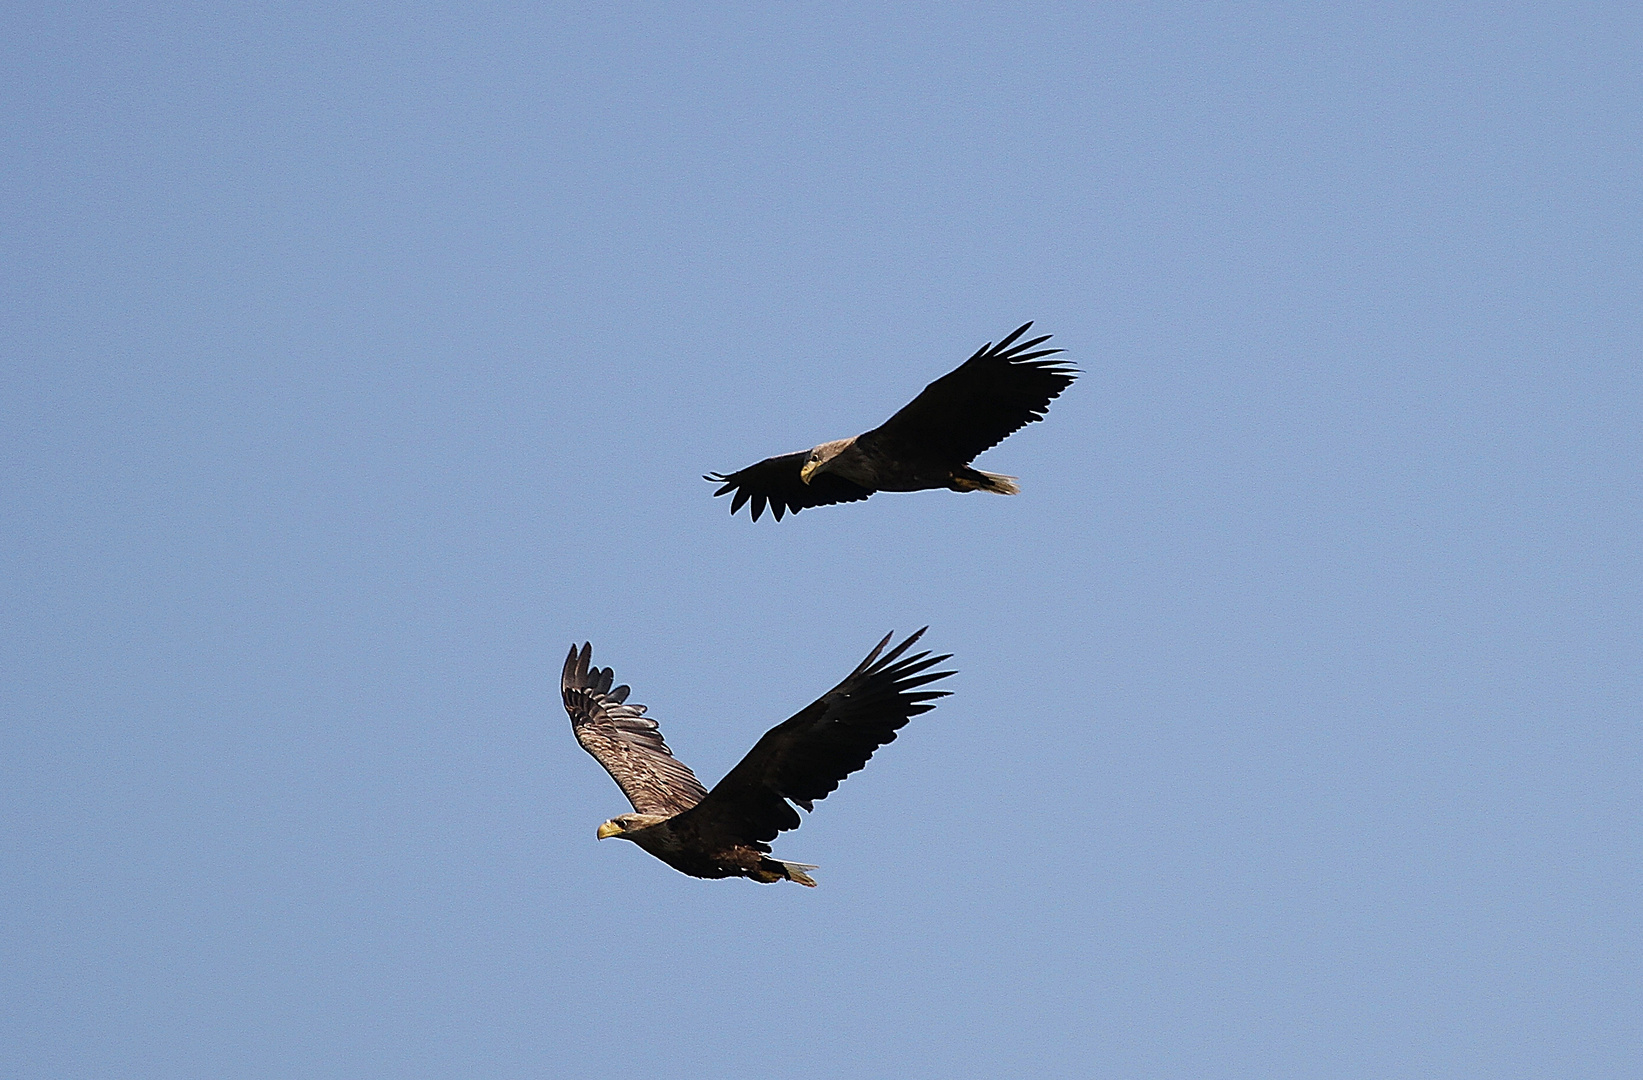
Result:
{"points": [[358, 360]]}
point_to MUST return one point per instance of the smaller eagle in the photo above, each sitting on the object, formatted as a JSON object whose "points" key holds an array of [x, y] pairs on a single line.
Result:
{"points": [[726, 832], [928, 444]]}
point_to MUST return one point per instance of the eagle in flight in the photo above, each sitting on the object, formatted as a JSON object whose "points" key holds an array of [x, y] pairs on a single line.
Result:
{"points": [[928, 444], [726, 832]]}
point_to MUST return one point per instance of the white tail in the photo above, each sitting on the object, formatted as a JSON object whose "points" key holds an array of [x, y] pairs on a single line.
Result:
{"points": [[998, 482], [796, 872]]}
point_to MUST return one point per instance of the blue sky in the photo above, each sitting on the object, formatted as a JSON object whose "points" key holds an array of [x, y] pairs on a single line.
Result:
{"points": [[357, 360]]}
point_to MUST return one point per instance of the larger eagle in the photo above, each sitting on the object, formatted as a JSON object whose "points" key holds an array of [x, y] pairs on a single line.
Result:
{"points": [[726, 832], [928, 444]]}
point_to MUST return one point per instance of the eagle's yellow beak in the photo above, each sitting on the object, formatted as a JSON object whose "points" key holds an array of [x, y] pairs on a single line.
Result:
{"points": [[609, 829], [808, 469]]}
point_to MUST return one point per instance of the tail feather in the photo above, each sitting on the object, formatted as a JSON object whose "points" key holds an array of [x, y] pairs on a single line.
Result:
{"points": [[998, 482], [795, 871], [975, 480]]}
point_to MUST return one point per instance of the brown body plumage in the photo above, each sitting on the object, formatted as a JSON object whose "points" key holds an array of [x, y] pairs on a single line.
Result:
{"points": [[726, 832]]}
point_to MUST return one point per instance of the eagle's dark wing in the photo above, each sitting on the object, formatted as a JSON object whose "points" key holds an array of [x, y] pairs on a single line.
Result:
{"points": [[803, 759], [973, 407], [776, 480], [624, 740]]}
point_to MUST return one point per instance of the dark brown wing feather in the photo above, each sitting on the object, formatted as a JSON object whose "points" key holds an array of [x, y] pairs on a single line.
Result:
{"points": [[803, 759], [972, 408], [624, 740], [776, 480]]}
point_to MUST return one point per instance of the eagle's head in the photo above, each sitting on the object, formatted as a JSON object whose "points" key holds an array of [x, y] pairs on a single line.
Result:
{"points": [[817, 460], [623, 824]]}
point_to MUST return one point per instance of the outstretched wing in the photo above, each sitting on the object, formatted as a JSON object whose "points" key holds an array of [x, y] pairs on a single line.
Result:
{"points": [[972, 408], [803, 759], [624, 740], [776, 480]]}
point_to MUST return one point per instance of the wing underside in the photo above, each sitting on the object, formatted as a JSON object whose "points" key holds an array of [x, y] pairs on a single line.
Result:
{"points": [[997, 391], [776, 481], [803, 759]]}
